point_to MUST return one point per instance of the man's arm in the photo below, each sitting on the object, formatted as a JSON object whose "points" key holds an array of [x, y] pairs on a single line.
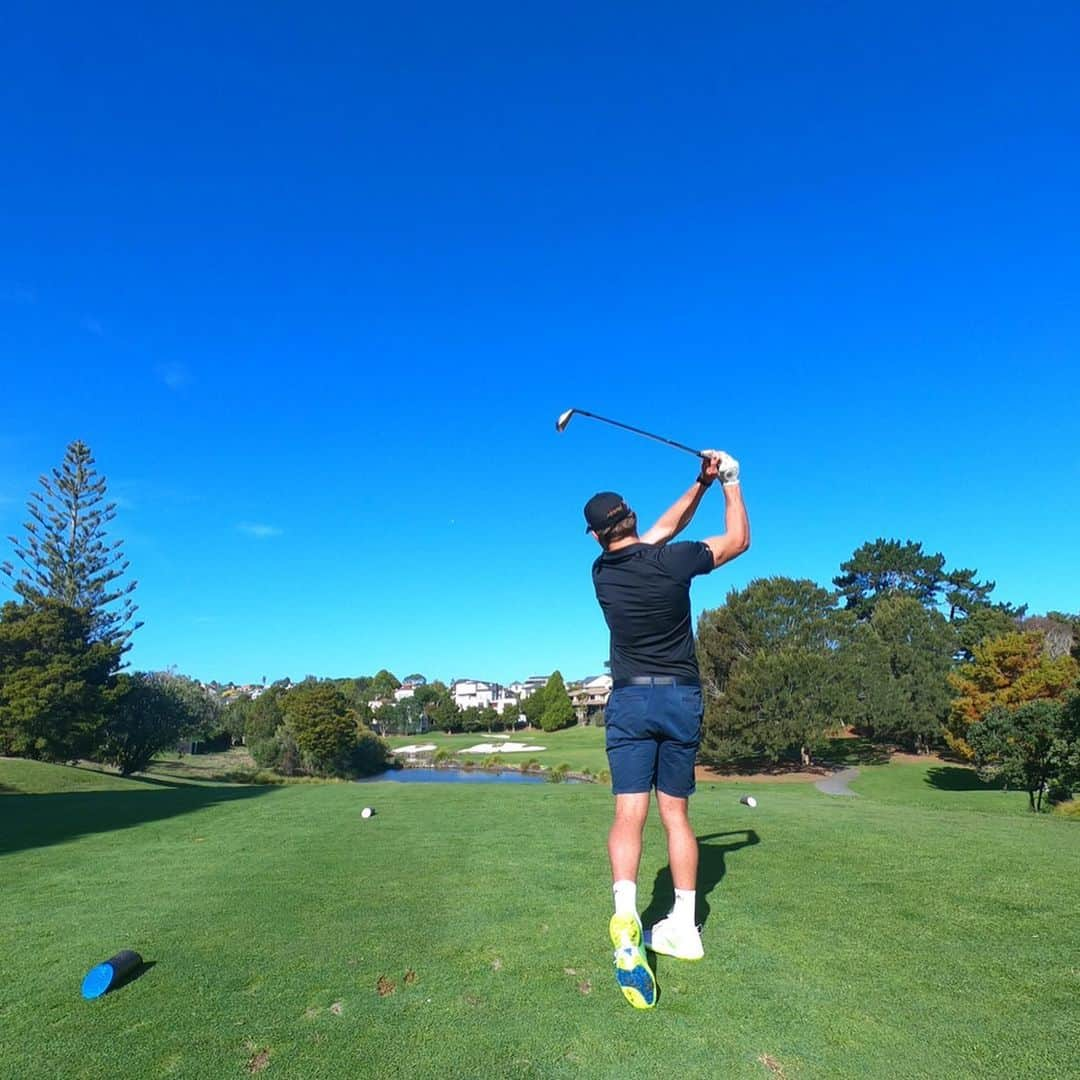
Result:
{"points": [[677, 516], [736, 538]]}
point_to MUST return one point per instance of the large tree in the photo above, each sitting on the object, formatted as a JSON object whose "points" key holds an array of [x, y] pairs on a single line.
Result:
{"points": [[66, 555], [53, 679], [889, 567], [884, 568], [558, 709], [1005, 671], [324, 725], [148, 713], [900, 662], [772, 671], [779, 702], [383, 684], [767, 613], [1034, 746]]}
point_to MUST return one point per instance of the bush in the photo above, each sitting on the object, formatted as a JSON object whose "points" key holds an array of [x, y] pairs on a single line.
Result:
{"points": [[147, 714], [557, 774], [443, 756], [370, 755], [279, 752]]}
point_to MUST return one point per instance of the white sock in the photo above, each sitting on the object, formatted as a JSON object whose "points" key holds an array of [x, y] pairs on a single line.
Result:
{"points": [[685, 908], [625, 897]]}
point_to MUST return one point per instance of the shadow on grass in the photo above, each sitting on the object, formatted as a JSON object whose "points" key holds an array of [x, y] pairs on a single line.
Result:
{"points": [[137, 974], [955, 778], [847, 752], [33, 821], [711, 871]]}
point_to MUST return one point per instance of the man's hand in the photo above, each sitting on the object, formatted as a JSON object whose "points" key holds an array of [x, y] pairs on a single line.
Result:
{"points": [[719, 463], [710, 467], [728, 468]]}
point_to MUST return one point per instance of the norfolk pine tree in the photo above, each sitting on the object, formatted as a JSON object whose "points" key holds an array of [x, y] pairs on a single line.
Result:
{"points": [[52, 704], [65, 554]]}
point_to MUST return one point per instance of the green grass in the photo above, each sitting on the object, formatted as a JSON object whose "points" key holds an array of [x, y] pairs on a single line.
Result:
{"points": [[579, 747], [937, 787], [869, 937]]}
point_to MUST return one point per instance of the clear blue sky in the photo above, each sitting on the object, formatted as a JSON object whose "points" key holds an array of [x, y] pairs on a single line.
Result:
{"points": [[314, 281]]}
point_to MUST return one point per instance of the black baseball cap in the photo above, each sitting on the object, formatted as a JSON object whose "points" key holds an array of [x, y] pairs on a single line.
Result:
{"points": [[604, 510]]}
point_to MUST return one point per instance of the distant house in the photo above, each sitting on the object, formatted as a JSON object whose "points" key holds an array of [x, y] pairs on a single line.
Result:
{"points": [[476, 694], [525, 689], [407, 690], [590, 698]]}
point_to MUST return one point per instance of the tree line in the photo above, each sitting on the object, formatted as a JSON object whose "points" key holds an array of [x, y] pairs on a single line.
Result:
{"points": [[903, 651], [64, 692]]}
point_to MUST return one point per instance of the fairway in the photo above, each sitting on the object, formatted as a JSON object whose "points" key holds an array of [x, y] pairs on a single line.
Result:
{"points": [[580, 747], [462, 932]]}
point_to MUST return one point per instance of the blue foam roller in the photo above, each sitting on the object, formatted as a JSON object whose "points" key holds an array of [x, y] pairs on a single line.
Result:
{"points": [[109, 975]]}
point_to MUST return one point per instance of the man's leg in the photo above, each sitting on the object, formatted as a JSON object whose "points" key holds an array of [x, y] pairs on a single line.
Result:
{"points": [[632, 971], [624, 840], [677, 935], [681, 841]]}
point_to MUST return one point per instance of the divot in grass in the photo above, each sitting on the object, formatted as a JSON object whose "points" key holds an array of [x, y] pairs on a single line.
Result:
{"points": [[385, 986], [258, 1060], [774, 1066]]}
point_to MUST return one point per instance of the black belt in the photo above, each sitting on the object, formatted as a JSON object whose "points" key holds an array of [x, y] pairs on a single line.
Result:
{"points": [[655, 680]]}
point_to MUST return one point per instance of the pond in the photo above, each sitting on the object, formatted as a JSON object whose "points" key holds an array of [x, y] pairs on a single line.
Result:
{"points": [[457, 776]]}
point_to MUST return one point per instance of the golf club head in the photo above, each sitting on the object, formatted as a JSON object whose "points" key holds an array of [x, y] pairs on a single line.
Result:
{"points": [[560, 424]]}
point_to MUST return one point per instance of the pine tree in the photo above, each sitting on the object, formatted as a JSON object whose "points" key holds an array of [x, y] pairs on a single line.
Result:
{"points": [[65, 554], [558, 709]]}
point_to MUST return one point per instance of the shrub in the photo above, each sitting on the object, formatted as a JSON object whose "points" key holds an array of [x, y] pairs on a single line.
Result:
{"points": [[557, 774], [370, 754], [279, 752], [323, 724], [147, 715], [443, 755]]}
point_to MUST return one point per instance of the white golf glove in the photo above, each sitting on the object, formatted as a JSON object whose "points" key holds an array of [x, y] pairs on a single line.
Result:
{"points": [[727, 467]]}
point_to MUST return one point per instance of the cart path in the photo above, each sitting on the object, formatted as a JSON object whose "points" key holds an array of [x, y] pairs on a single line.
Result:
{"points": [[837, 784]]}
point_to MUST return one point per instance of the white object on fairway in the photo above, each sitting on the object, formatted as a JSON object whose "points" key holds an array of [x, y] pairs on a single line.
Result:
{"points": [[748, 800], [367, 811]]}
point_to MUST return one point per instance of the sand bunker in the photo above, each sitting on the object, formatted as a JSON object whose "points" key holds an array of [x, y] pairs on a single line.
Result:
{"points": [[503, 748], [419, 749]]}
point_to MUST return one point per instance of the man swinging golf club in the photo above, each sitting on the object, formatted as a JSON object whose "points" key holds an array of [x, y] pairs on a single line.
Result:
{"points": [[653, 717]]}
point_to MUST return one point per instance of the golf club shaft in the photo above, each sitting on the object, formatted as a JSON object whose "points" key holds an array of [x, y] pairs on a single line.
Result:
{"points": [[647, 434]]}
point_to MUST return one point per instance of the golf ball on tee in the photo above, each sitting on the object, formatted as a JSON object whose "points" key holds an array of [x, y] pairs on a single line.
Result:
{"points": [[367, 812], [748, 800]]}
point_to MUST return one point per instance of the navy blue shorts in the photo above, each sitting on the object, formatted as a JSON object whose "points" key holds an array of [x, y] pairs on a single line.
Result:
{"points": [[652, 735]]}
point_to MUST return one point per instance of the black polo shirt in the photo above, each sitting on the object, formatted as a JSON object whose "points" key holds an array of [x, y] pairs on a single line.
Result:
{"points": [[644, 592]]}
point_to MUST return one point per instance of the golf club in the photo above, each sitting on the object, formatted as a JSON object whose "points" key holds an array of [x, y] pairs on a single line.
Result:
{"points": [[561, 423]]}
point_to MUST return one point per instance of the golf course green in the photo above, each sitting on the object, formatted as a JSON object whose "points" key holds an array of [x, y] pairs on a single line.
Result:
{"points": [[926, 928]]}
